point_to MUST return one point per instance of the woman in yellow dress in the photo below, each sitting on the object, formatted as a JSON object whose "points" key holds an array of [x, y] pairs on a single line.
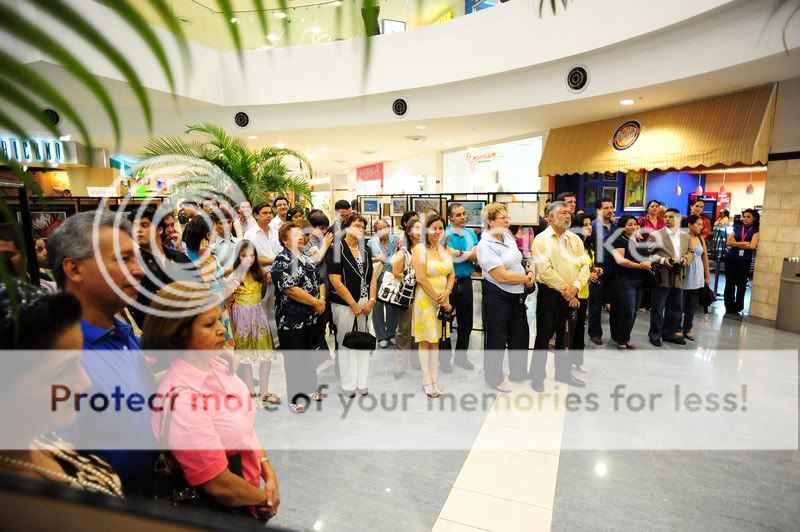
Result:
{"points": [[435, 278]]}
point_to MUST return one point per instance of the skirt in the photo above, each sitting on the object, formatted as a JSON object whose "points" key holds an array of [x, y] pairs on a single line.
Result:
{"points": [[251, 334]]}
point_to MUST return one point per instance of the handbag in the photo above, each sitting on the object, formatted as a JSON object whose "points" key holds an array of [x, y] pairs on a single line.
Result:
{"points": [[707, 296], [359, 340], [169, 484], [398, 292]]}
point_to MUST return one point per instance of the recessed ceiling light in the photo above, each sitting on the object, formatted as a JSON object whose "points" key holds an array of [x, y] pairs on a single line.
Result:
{"points": [[324, 149], [421, 127], [234, 20], [416, 138], [273, 38], [448, 143], [627, 101], [279, 14], [315, 29], [253, 137]]}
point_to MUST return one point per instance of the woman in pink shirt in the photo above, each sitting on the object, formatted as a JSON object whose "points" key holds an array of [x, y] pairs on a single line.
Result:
{"points": [[652, 220], [209, 427]]}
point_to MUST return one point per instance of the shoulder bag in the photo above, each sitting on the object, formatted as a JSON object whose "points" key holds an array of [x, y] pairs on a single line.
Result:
{"points": [[399, 292], [359, 340]]}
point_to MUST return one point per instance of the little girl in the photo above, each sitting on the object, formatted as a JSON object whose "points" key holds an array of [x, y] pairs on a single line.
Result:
{"points": [[251, 334]]}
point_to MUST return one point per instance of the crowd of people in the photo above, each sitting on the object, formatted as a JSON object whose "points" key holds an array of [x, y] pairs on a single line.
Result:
{"points": [[259, 280]]}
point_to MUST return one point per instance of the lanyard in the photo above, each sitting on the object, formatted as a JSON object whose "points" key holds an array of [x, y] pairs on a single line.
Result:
{"points": [[744, 233]]}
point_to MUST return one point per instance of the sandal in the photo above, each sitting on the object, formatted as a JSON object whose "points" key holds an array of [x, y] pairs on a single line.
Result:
{"points": [[318, 396], [270, 399], [438, 390], [504, 387], [298, 408], [433, 395], [630, 346]]}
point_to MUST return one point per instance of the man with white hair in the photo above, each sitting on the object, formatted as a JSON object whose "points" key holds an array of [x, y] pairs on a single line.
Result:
{"points": [[561, 271]]}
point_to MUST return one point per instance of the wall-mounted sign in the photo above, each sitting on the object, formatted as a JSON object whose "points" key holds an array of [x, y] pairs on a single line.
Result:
{"points": [[476, 157], [32, 150], [626, 135], [372, 172], [101, 192]]}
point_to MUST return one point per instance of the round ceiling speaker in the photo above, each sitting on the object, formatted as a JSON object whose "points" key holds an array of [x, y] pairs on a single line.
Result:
{"points": [[52, 116], [399, 107], [241, 119], [577, 79]]}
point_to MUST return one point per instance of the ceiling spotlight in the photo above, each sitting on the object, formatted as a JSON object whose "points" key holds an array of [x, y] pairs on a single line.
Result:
{"points": [[273, 38], [324, 149], [315, 29], [421, 127], [252, 137], [234, 20], [280, 14], [627, 101]]}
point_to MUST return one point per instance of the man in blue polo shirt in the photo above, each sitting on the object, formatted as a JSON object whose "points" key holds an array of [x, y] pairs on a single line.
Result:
{"points": [[111, 357], [462, 245]]}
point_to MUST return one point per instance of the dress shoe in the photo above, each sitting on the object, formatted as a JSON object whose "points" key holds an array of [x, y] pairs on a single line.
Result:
{"points": [[597, 340], [572, 381], [655, 341], [463, 362], [383, 344], [446, 367], [674, 339], [538, 386], [689, 337]]}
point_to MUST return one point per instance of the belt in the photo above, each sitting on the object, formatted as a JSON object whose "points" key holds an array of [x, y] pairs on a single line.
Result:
{"points": [[459, 279]]}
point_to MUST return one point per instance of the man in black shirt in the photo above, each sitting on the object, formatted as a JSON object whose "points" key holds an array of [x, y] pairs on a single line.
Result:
{"points": [[161, 263]]}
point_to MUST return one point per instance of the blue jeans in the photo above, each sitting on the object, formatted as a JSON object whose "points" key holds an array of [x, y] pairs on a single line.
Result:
{"points": [[627, 297], [384, 317]]}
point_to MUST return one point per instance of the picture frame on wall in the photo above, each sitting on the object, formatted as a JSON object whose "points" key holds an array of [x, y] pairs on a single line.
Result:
{"points": [[594, 177], [611, 192], [610, 177], [427, 205], [474, 209], [371, 206], [398, 206], [635, 192], [589, 197], [45, 222]]}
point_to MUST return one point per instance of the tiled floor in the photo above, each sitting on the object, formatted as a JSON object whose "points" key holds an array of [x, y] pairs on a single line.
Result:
{"points": [[513, 467]]}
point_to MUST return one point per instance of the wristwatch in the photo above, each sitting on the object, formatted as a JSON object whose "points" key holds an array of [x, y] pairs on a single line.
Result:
{"points": [[459, 253], [264, 458], [372, 299]]}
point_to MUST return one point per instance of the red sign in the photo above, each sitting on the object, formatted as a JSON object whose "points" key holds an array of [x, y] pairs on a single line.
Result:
{"points": [[372, 172]]}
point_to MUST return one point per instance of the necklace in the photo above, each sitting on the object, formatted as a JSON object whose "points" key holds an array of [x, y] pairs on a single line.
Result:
{"points": [[89, 477]]}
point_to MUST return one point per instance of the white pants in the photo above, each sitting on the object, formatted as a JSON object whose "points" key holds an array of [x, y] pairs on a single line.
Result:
{"points": [[269, 307], [353, 365]]}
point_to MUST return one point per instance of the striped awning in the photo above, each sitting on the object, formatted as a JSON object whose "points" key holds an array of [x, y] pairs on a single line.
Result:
{"points": [[722, 130]]}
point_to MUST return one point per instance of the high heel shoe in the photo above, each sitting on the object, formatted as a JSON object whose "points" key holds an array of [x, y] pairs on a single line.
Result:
{"points": [[433, 395], [439, 391]]}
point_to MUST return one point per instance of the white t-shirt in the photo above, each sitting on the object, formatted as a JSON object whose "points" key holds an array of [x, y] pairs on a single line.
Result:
{"points": [[267, 245], [275, 224]]}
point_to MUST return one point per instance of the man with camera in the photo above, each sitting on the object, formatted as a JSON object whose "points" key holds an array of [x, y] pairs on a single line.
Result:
{"points": [[669, 248]]}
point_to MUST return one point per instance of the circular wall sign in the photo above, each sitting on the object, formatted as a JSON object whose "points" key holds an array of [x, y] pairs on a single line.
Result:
{"points": [[626, 135]]}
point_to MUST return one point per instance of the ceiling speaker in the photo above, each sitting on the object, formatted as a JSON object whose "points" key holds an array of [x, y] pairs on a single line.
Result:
{"points": [[52, 116], [578, 79], [241, 119], [399, 107]]}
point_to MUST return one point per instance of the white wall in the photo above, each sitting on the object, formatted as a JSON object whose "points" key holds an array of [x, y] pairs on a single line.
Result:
{"points": [[514, 167], [786, 135], [412, 175]]}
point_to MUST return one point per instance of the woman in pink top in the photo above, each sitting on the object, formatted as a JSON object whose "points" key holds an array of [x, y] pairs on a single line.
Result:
{"points": [[652, 220], [209, 429]]}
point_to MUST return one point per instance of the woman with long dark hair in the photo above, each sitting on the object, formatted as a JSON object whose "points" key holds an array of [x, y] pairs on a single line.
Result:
{"points": [[632, 262], [252, 338], [742, 243]]}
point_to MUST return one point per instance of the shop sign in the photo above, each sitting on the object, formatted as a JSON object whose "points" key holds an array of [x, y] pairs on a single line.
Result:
{"points": [[372, 172], [101, 192], [32, 150], [474, 158], [626, 135]]}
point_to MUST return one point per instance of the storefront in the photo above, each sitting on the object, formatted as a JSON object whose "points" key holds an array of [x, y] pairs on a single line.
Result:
{"points": [[716, 148], [506, 166]]}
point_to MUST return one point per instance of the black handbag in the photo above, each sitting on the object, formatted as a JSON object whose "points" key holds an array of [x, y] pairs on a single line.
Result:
{"points": [[359, 340], [707, 296]]}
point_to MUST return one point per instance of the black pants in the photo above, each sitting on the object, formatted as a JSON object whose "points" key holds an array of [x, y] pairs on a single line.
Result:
{"points": [[736, 273], [299, 362], [505, 325], [690, 299], [551, 316], [665, 312], [579, 338], [624, 308], [599, 295], [461, 299]]}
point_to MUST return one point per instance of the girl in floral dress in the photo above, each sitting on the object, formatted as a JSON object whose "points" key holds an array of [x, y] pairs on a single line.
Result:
{"points": [[250, 326]]}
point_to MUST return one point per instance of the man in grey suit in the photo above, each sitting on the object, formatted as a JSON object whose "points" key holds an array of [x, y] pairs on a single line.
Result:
{"points": [[669, 249]]}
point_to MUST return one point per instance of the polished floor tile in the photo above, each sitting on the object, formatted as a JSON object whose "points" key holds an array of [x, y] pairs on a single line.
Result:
{"points": [[493, 513]]}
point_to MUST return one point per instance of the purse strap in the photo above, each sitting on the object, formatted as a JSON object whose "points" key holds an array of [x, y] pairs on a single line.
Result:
{"points": [[165, 419]]}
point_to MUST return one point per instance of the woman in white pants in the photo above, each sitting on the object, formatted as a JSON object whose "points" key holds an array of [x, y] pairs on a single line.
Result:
{"points": [[354, 294]]}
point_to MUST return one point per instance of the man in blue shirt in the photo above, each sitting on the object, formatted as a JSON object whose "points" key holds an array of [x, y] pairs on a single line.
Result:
{"points": [[462, 245], [600, 292], [111, 356]]}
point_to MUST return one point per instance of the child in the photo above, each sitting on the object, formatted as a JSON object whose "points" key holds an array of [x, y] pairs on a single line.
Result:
{"points": [[250, 327]]}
